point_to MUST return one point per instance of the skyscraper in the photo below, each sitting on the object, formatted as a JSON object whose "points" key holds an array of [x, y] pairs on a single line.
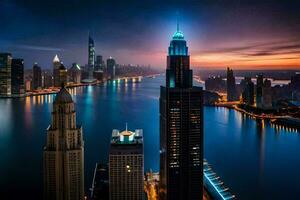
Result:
{"points": [[295, 82], [56, 66], [48, 79], [37, 77], [17, 77], [111, 67], [75, 73], [91, 57], [126, 165], [99, 63], [63, 75], [248, 91], [64, 152], [181, 127], [5, 74], [231, 87], [259, 89]]}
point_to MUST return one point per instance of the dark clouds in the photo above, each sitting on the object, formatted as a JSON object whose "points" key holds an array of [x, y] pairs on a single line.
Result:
{"points": [[139, 31]]}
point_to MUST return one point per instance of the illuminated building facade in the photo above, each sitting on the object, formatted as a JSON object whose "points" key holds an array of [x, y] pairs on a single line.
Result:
{"points": [[99, 65], [5, 74], [75, 73], [37, 77], [91, 57], [181, 127], [17, 77], [259, 89], [56, 66], [63, 75], [111, 67], [248, 91], [126, 165], [231, 86], [64, 152]]}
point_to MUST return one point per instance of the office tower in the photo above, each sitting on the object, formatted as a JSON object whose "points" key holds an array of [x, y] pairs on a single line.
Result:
{"points": [[181, 127], [17, 77], [248, 91], [295, 82], [64, 152], [100, 186], [91, 57], [37, 77], [126, 165], [111, 67], [231, 86], [5, 74], [99, 63], [63, 75], [75, 73], [56, 66], [259, 88], [266, 102], [48, 79]]}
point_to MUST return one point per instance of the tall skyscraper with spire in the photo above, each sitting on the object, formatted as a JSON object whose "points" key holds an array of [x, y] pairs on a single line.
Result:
{"points": [[181, 127], [64, 152], [91, 57], [56, 66]]}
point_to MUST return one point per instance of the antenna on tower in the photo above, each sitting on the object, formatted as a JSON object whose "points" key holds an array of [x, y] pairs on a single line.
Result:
{"points": [[177, 21], [126, 126]]}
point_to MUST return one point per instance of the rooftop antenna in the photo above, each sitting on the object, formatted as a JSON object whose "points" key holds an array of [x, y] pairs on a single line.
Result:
{"points": [[177, 21]]}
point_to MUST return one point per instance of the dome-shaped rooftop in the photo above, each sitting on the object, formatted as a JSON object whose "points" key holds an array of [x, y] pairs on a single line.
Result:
{"points": [[63, 96], [178, 35]]}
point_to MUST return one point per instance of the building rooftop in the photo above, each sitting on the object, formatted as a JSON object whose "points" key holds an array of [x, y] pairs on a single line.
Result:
{"points": [[63, 96], [127, 137], [56, 59]]}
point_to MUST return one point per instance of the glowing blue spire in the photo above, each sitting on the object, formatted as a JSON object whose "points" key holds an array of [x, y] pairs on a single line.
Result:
{"points": [[178, 44], [178, 35]]}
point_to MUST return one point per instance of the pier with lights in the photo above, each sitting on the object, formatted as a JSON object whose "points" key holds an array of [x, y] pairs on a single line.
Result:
{"points": [[214, 185]]}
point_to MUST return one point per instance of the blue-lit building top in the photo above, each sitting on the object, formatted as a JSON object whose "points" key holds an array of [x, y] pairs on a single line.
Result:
{"points": [[178, 44]]}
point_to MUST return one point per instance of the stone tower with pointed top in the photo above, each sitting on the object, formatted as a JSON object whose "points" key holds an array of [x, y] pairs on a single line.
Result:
{"points": [[64, 152]]}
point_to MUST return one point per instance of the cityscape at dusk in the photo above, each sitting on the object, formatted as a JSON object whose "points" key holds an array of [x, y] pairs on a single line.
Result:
{"points": [[149, 100], [242, 34]]}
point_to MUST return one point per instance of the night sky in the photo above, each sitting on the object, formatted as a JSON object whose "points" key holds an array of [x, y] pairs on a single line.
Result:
{"points": [[242, 34]]}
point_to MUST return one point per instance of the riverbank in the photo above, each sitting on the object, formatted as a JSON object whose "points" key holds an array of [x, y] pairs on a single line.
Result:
{"points": [[282, 120], [54, 90]]}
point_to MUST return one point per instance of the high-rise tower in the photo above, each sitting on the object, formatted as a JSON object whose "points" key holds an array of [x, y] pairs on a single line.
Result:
{"points": [[111, 67], [64, 152], [181, 127], [37, 76], [91, 57], [17, 77], [231, 86], [126, 165], [56, 66], [5, 74]]}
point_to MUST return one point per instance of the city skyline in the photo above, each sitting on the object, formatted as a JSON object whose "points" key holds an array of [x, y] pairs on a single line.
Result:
{"points": [[136, 33]]}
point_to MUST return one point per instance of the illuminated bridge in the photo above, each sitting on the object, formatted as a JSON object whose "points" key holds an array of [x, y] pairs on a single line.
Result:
{"points": [[214, 185]]}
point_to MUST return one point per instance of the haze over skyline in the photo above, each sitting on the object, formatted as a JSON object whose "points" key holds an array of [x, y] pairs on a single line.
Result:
{"points": [[240, 34]]}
